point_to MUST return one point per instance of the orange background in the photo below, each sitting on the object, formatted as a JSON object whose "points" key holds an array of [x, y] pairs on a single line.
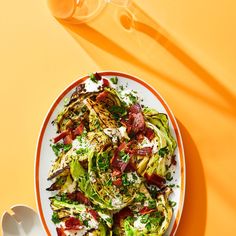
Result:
{"points": [[185, 49]]}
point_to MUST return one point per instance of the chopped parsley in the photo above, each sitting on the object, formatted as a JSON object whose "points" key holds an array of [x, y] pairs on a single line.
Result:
{"points": [[117, 111], [55, 218], [152, 204], [125, 181], [85, 222], [124, 157], [168, 176], [114, 80], [163, 151], [82, 151], [140, 197], [172, 203], [148, 226], [103, 161], [144, 219], [93, 78], [58, 147]]}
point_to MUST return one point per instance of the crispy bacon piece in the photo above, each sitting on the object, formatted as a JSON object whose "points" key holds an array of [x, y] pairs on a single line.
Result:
{"points": [[139, 137], [73, 224], [93, 213], [138, 123], [122, 146], [131, 166], [105, 83], [155, 179], [79, 197], [145, 210], [62, 135], [97, 76], [116, 173], [146, 151], [135, 122], [82, 198], [116, 161], [124, 213], [117, 182], [149, 133], [79, 130], [68, 139], [60, 232], [127, 125], [135, 109], [101, 96]]}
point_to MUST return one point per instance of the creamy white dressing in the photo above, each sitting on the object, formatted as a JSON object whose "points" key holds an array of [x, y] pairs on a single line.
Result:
{"points": [[147, 143], [90, 86], [132, 177], [116, 133], [116, 202], [71, 187], [125, 96], [138, 225]]}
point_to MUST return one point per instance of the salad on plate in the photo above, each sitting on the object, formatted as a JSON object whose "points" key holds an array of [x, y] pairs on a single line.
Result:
{"points": [[113, 160]]}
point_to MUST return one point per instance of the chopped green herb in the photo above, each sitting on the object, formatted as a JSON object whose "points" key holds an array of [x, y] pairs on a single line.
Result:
{"points": [[85, 222], [153, 191], [144, 219], [134, 176], [125, 181], [117, 111], [140, 197], [168, 176], [124, 157], [121, 87], [93, 78], [109, 182], [152, 204], [55, 218], [103, 161], [132, 98], [67, 147], [163, 151], [82, 151], [60, 146], [172, 203], [148, 226], [171, 185], [114, 80]]}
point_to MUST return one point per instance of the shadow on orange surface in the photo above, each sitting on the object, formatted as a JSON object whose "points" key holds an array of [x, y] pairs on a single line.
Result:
{"points": [[91, 39], [193, 220]]}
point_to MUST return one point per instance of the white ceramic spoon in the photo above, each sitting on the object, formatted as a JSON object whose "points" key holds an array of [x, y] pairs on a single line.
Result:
{"points": [[23, 222]]}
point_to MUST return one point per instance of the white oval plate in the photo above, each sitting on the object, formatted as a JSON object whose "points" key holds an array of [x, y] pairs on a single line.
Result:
{"points": [[45, 155]]}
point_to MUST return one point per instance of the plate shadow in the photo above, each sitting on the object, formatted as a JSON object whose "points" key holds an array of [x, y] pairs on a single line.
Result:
{"points": [[193, 220]]}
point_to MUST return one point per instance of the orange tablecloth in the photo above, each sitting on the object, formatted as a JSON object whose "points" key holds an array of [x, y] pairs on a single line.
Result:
{"points": [[185, 49]]}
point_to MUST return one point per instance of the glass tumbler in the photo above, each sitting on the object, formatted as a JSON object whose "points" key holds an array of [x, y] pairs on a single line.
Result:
{"points": [[79, 11]]}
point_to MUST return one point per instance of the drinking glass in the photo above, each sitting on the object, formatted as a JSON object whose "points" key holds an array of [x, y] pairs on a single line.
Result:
{"points": [[79, 11]]}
